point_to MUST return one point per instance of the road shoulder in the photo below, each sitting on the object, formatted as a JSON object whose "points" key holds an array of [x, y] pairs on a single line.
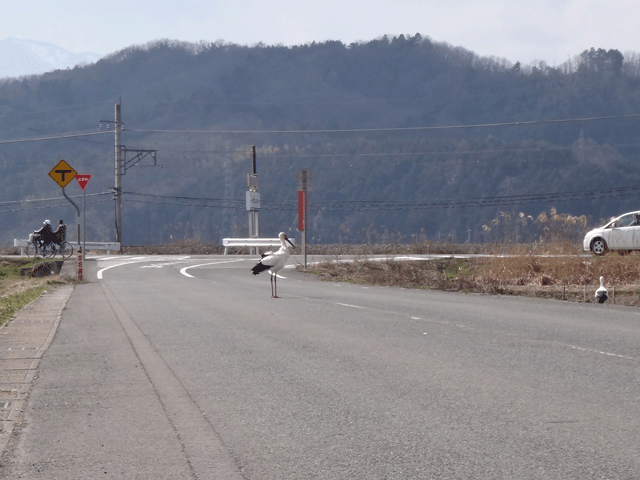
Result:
{"points": [[92, 411], [23, 341]]}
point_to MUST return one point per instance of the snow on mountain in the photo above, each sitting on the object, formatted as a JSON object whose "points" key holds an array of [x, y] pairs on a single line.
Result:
{"points": [[29, 57]]}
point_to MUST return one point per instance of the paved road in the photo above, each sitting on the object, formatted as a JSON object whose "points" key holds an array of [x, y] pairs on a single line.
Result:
{"points": [[176, 367]]}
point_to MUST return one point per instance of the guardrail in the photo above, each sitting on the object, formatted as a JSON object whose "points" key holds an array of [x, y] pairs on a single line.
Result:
{"points": [[108, 246], [250, 242]]}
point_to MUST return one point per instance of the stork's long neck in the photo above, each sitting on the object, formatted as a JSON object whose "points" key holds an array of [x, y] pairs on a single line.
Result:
{"points": [[283, 248]]}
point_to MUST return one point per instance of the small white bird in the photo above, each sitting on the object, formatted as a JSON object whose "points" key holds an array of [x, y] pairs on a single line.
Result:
{"points": [[274, 262], [601, 293]]}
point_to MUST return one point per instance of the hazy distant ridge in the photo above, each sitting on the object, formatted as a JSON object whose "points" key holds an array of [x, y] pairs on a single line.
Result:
{"points": [[29, 57]]}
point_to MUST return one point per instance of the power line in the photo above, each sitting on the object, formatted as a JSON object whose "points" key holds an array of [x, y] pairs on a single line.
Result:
{"points": [[507, 200], [43, 207], [390, 129], [192, 201], [31, 200], [354, 205], [54, 137], [208, 199], [345, 130], [368, 205], [180, 204], [610, 192]]}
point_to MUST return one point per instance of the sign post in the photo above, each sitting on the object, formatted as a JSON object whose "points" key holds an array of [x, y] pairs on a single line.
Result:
{"points": [[62, 174], [253, 202], [83, 179]]}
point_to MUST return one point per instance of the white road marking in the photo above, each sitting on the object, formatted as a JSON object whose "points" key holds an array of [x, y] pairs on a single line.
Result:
{"points": [[112, 258], [165, 264], [160, 265], [347, 305], [130, 261], [184, 270], [600, 353]]}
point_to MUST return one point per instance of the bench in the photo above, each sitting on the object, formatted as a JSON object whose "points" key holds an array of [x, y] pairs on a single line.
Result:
{"points": [[108, 246], [251, 242]]}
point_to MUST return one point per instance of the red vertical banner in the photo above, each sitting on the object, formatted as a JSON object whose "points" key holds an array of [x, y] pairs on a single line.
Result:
{"points": [[302, 210]]}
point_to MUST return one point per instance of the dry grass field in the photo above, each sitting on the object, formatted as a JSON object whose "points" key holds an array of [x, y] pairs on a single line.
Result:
{"points": [[557, 271]]}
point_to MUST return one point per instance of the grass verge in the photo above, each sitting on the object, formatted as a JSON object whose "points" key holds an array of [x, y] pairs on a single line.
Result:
{"points": [[11, 304], [18, 287]]}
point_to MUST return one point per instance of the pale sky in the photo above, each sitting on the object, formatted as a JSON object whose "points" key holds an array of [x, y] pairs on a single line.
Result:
{"points": [[527, 31]]}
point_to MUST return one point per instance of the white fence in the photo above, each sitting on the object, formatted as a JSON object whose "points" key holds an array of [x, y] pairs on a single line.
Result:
{"points": [[108, 246], [250, 242]]}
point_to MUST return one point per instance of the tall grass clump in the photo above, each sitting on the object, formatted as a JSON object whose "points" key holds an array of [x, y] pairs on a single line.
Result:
{"points": [[545, 228]]}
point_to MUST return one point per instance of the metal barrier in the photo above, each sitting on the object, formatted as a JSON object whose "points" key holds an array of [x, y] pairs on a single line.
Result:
{"points": [[250, 242], [108, 246]]}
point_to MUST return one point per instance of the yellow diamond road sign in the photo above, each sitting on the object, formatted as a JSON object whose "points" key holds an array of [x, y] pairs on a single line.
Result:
{"points": [[62, 173]]}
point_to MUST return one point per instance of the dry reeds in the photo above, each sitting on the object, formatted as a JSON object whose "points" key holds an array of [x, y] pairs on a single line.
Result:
{"points": [[386, 272], [558, 270], [177, 247], [569, 277]]}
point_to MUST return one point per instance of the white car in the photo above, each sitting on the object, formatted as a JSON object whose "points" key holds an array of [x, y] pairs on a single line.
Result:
{"points": [[621, 233]]}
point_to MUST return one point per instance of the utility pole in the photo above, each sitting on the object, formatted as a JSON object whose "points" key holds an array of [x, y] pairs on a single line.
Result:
{"points": [[253, 202], [118, 174], [255, 171], [122, 163]]}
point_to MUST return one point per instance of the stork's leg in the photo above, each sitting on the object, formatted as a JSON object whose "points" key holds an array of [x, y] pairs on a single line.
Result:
{"points": [[271, 286], [275, 286]]}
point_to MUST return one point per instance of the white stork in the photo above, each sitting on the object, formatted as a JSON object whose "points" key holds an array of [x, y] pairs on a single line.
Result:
{"points": [[601, 293], [274, 262]]}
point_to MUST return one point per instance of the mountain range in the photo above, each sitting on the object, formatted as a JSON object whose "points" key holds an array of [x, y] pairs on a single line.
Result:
{"points": [[406, 138], [20, 57]]}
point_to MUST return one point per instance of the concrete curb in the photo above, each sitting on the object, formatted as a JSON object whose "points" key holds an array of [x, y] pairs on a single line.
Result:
{"points": [[23, 341]]}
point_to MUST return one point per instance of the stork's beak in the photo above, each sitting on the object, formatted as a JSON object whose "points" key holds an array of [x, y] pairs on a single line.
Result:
{"points": [[287, 239]]}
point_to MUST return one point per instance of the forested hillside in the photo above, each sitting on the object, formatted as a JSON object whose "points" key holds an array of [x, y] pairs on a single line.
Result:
{"points": [[406, 137]]}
